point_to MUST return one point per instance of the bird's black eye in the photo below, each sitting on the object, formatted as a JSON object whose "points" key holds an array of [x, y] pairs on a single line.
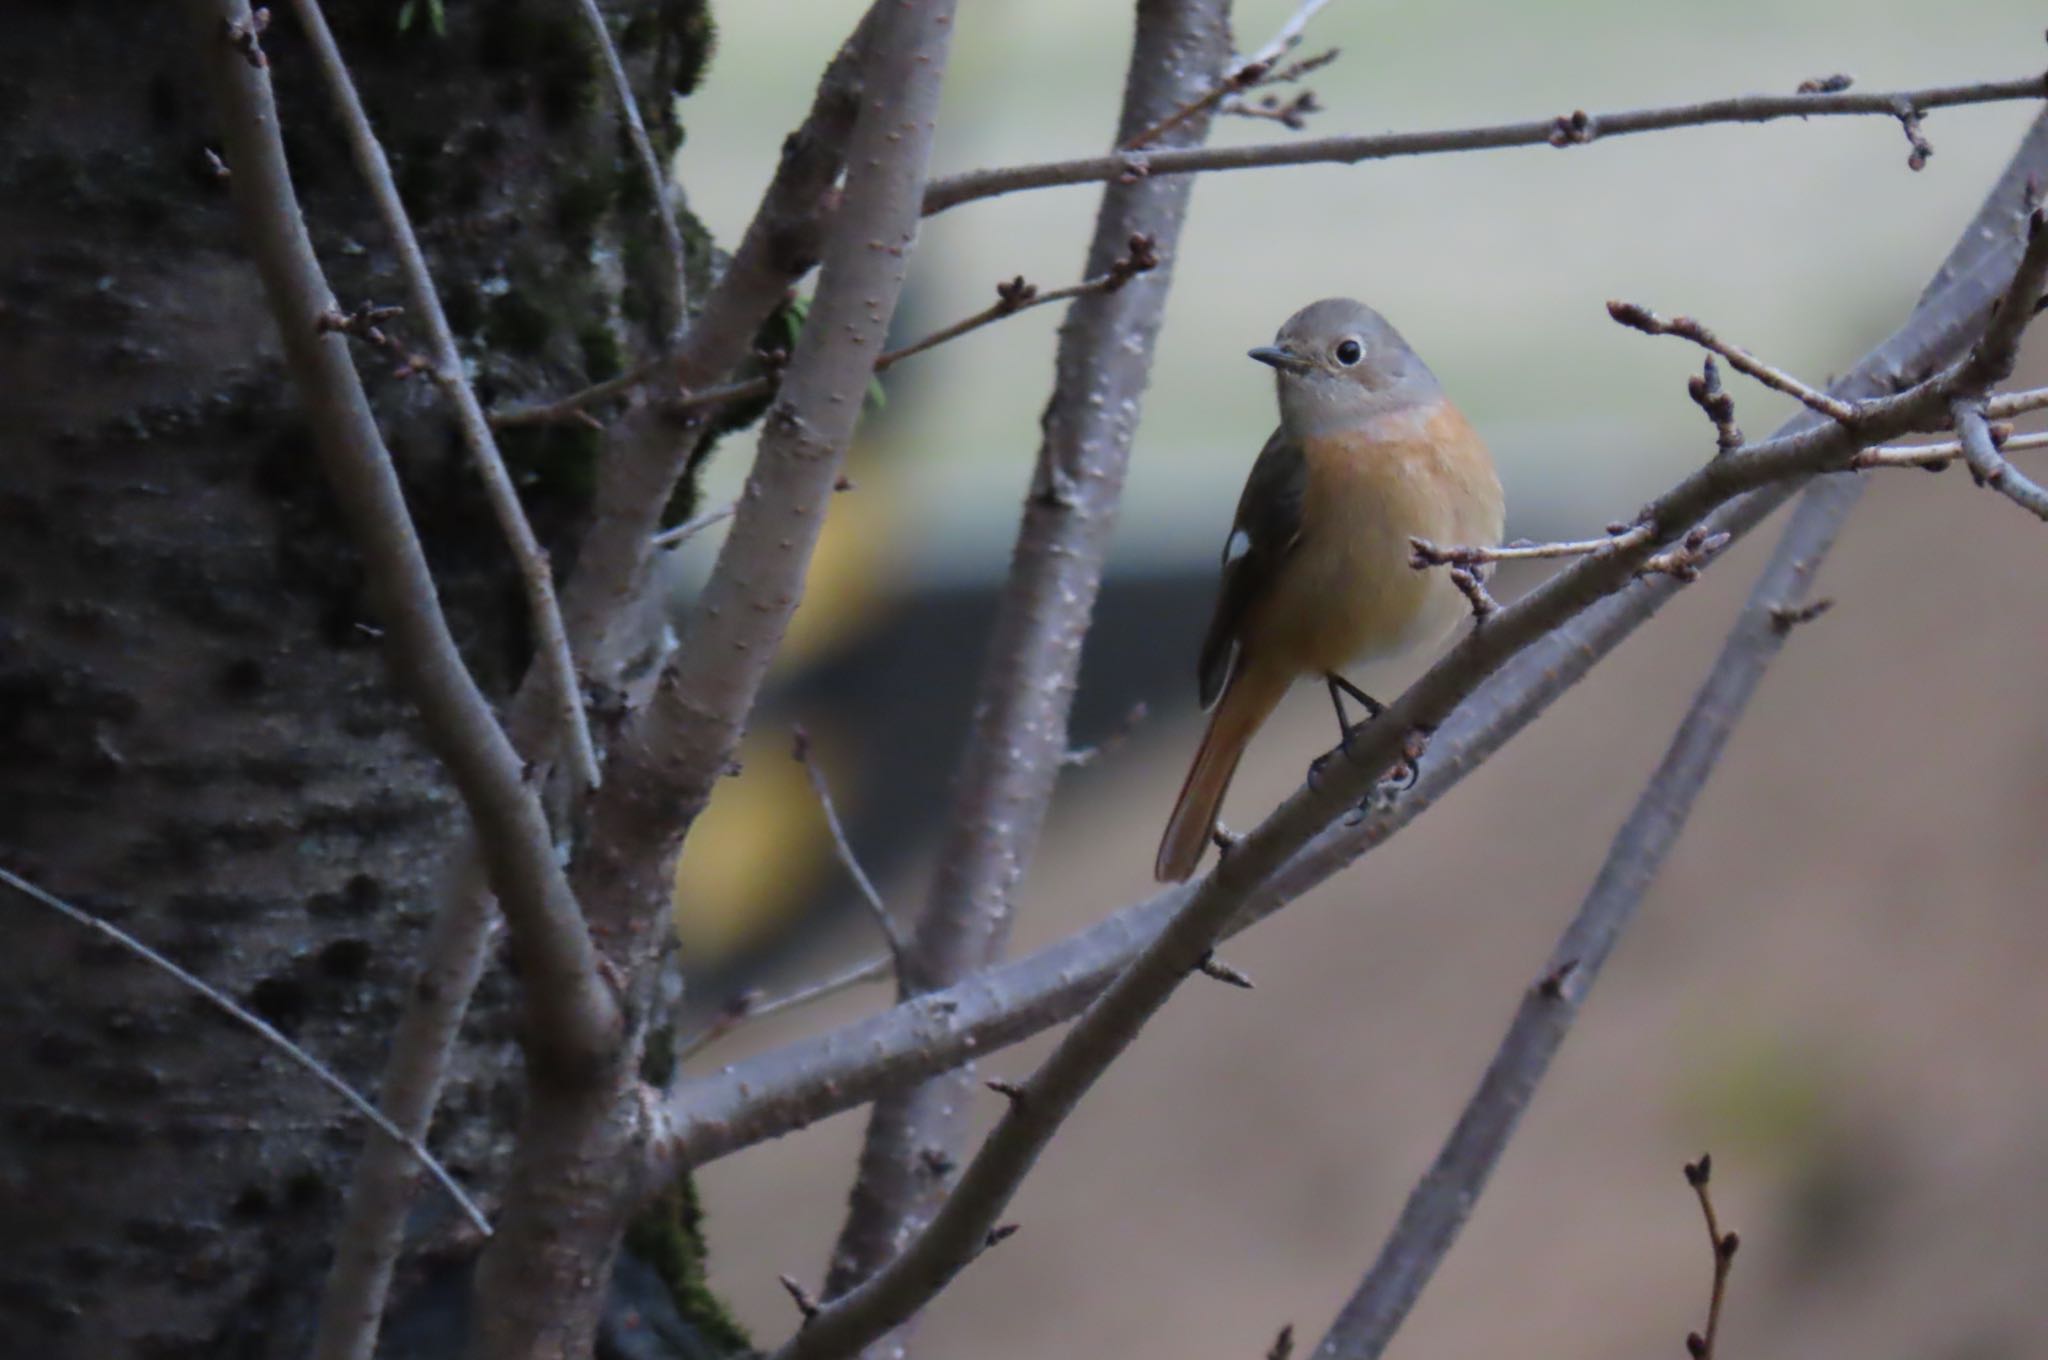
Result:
{"points": [[1349, 352]]}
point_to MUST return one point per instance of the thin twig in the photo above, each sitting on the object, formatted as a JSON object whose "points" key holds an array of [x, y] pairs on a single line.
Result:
{"points": [[696, 524], [1242, 75], [573, 1015], [744, 1008], [1422, 553], [1684, 327], [262, 1029], [677, 303], [551, 641], [1700, 1345], [1980, 451], [1574, 129], [1939, 455], [848, 860], [1012, 297], [1014, 753]]}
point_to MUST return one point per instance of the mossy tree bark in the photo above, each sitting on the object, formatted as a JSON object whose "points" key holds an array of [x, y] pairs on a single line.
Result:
{"points": [[198, 739]]}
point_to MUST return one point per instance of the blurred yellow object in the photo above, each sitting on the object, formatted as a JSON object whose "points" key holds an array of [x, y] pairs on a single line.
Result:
{"points": [[753, 860]]}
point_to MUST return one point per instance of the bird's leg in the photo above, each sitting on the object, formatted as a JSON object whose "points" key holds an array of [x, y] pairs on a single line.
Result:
{"points": [[1338, 687], [1406, 772]]}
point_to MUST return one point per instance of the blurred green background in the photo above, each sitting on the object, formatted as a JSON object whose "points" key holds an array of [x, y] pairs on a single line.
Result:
{"points": [[1835, 987]]}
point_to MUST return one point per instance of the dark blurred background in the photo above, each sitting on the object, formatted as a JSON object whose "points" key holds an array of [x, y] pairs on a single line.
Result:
{"points": [[1835, 986]]}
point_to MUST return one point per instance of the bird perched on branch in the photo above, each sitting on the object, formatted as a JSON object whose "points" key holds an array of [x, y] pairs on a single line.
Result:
{"points": [[1316, 571]]}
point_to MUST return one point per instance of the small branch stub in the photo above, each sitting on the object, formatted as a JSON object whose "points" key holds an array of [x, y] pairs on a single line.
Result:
{"points": [[1283, 1344], [801, 1297], [1211, 966]]}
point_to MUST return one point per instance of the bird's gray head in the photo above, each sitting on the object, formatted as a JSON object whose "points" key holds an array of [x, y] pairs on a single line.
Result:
{"points": [[1341, 365]]}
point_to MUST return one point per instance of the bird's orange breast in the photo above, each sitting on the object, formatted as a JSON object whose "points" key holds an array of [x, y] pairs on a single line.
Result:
{"points": [[1347, 593]]}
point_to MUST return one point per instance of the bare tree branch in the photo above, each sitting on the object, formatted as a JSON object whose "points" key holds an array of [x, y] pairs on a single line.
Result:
{"points": [[650, 448], [676, 306], [1741, 360], [787, 1088], [848, 860], [575, 1020], [372, 1232], [1012, 297], [744, 1007], [551, 642], [1988, 465], [541, 1279], [1574, 129], [1237, 77], [263, 1030], [1013, 756], [1700, 1345]]}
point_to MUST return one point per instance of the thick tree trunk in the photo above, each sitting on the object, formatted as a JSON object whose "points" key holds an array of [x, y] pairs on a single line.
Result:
{"points": [[197, 736]]}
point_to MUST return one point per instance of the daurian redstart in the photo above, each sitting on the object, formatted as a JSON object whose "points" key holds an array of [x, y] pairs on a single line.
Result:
{"points": [[1316, 573]]}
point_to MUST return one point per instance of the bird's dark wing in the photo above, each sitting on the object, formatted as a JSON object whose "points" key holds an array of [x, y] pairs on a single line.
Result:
{"points": [[1267, 526]]}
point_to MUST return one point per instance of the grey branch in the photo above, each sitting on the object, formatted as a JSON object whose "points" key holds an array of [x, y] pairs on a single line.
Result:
{"points": [[263, 1030], [372, 1233], [1012, 758], [1573, 129], [674, 748], [574, 1017], [676, 263], [1988, 465], [790, 1087], [848, 860], [1012, 298], [535, 577]]}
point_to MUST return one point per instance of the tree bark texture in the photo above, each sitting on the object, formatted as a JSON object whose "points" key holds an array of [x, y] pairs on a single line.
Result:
{"points": [[198, 739]]}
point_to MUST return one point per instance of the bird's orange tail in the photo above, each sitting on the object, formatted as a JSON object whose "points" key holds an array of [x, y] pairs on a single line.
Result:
{"points": [[1247, 701]]}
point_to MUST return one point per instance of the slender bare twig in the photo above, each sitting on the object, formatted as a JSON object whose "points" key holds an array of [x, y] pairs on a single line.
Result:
{"points": [[1988, 465], [696, 524], [574, 1015], [848, 860], [1012, 297], [1012, 758], [262, 1029], [1423, 553], [2006, 405], [1933, 457], [1777, 379], [788, 1088], [676, 262], [1574, 129], [1240, 76], [744, 1007], [372, 1233], [1700, 1345], [674, 749]]}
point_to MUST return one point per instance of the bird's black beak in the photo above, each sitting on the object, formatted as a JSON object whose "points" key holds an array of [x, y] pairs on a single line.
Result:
{"points": [[1286, 360]]}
